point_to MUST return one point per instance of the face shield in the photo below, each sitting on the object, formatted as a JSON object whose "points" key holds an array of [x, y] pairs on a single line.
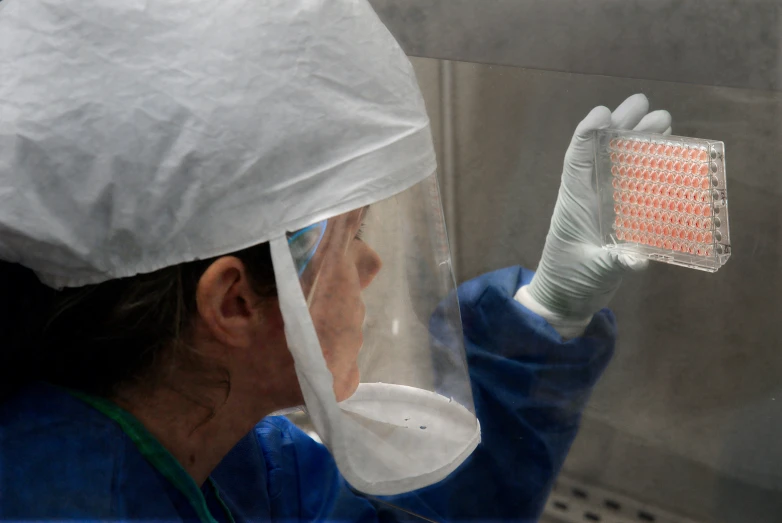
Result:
{"points": [[383, 370]]}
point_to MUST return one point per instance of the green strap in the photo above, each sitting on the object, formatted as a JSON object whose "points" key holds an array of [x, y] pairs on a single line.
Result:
{"points": [[220, 499], [156, 454]]}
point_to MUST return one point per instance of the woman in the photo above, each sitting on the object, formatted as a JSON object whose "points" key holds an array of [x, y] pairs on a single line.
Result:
{"points": [[198, 201]]}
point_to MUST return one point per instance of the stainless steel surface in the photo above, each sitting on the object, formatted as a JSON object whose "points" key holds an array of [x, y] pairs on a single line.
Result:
{"points": [[688, 414], [660, 474], [707, 42]]}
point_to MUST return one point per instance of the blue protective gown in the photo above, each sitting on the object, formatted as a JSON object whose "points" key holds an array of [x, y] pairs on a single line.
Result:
{"points": [[69, 457]]}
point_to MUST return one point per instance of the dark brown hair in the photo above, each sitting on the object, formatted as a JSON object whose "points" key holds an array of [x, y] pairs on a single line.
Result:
{"points": [[101, 338]]}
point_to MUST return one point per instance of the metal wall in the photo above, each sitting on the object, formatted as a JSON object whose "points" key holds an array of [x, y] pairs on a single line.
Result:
{"points": [[735, 43], [689, 415]]}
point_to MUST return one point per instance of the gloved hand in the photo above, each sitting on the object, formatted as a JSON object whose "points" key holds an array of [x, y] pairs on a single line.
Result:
{"points": [[576, 277]]}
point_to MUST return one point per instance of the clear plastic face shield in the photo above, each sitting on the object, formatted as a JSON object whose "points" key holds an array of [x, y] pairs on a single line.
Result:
{"points": [[382, 299]]}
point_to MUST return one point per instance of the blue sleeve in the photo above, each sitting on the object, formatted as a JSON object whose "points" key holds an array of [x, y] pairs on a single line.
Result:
{"points": [[529, 389]]}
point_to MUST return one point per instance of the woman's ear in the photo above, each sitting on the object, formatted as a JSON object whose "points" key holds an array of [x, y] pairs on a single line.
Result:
{"points": [[227, 304]]}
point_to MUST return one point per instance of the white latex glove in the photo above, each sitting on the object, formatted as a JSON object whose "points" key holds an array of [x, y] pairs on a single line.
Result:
{"points": [[576, 277]]}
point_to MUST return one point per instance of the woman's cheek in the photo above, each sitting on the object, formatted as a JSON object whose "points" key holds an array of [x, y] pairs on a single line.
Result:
{"points": [[347, 385]]}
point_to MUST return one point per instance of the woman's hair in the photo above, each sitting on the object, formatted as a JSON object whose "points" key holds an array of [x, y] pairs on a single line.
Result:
{"points": [[101, 338]]}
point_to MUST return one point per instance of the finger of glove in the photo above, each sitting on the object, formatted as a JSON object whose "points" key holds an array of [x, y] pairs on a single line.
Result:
{"points": [[580, 154], [630, 112], [631, 263], [655, 122], [598, 118]]}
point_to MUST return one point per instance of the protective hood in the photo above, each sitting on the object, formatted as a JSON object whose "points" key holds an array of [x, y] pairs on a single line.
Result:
{"points": [[137, 135]]}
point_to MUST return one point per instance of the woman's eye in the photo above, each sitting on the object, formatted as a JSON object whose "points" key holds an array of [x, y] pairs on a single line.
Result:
{"points": [[360, 232]]}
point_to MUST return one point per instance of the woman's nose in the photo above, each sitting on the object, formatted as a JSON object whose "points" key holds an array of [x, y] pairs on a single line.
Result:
{"points": [[368, 263]]}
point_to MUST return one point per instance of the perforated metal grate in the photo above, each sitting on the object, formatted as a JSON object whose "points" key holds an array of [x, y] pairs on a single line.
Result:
{"points": [[575, 502]]}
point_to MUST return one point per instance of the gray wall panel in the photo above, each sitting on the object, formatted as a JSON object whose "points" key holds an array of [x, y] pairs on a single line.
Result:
{"points": [[711, 42]]}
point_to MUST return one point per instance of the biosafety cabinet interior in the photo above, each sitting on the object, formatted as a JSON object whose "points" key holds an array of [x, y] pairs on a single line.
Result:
{"points": [[686, 424]]}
